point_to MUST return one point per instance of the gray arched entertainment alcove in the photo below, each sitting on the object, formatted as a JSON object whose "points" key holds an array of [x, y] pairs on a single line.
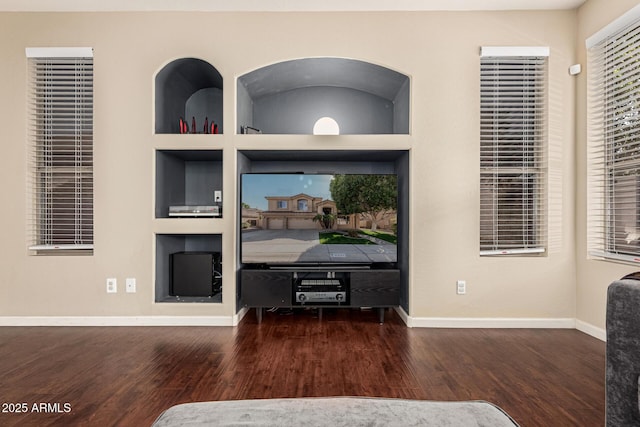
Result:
{"points": [[290, 96], [364, 99]]}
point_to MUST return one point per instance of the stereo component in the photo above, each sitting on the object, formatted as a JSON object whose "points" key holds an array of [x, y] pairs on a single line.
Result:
{"points": [[320, 287], [307, 297], [195, 211]]}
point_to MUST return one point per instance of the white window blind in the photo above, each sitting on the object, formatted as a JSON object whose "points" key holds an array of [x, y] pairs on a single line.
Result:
{"points": [[513, 150], [614, 142], [60, 130]]}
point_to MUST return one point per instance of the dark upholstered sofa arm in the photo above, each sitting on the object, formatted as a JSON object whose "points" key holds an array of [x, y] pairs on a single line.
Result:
{"points": [[623, 354]]}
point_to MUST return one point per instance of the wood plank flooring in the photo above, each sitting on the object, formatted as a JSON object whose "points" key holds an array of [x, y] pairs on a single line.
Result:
{"points": [[126, 376]]}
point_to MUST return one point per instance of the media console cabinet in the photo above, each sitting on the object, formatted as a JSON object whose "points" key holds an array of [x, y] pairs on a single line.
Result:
{"points": [[314, 288]]}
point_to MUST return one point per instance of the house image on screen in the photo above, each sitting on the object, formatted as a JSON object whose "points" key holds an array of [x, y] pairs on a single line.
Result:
{"points": [[297, 213]]}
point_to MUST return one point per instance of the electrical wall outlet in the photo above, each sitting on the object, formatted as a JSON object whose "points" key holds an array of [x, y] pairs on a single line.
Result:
{"points": [[461, 287], [130, 285], [112, 285]]}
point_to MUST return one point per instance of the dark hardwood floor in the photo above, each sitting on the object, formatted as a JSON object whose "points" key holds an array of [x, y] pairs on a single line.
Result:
{"points": [[126, 376]]}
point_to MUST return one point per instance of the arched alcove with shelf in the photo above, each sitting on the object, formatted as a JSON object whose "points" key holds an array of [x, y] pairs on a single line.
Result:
{"points": [[289, 97], [191, 89]]}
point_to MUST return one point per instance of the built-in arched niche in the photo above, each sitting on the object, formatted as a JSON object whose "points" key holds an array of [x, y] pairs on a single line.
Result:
{"points": [[290, 97], [188, 89]]}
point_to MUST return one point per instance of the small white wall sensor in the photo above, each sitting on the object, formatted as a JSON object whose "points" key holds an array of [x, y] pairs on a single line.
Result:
{"points": [[575, 69]]}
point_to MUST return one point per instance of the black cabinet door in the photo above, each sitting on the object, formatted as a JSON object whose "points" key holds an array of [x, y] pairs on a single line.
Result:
{"points": [[375, 288], [261, 288]]}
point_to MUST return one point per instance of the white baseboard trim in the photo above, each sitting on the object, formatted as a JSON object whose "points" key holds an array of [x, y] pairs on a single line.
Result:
{"points": [[412, 322], [403, 315], [482, 322], [119, 320], [589, 329], [239, 316]]}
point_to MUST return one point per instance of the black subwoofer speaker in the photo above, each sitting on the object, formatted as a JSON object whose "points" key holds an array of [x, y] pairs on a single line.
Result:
{"points": [[195, 274]]}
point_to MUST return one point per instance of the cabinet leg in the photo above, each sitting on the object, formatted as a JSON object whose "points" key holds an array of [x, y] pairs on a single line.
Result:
{"points": [[259, 314], [381, 315]]}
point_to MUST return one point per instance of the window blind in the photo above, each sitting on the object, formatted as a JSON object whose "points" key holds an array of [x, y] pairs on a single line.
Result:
{"points": [[614, 143], [60, 130], [512, 150]]}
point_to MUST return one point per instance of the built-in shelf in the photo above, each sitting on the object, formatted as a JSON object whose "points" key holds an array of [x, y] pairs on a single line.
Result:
{"points": [[170, 244], [367, 101], [191, 89], [290, 97], [188, 178]]}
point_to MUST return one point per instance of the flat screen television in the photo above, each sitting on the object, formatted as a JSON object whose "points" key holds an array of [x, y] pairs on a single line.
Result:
{"points": [[296, 219]]}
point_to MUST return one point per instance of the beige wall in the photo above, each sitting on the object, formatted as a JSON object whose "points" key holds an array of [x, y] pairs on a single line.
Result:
{"points": [[593, 276], [439, 50]]}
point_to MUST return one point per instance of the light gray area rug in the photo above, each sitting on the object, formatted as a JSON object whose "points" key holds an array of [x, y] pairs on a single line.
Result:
{"points": [[335, 411]]}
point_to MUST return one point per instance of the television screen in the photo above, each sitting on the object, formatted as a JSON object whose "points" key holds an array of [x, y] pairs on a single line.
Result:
{"points": [[316, 219]]}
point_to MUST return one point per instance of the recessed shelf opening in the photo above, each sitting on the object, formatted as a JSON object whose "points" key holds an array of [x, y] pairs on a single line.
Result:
{"points": [[289, 97], [314, 162], [188, 178], [168, 246], [188, 89]]}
